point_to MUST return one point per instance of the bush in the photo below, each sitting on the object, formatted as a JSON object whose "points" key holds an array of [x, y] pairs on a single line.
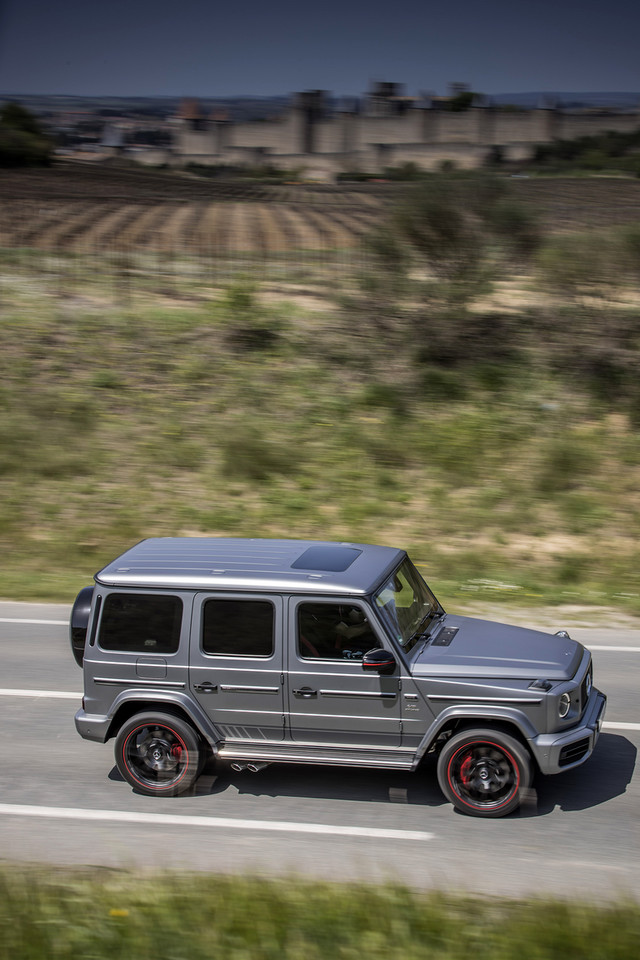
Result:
{"points": [[250, 327], [249, 453], [22, 141], [516, 226], [405, 172], [450, 338], [574, 262], [433, 222], [610, 151]]}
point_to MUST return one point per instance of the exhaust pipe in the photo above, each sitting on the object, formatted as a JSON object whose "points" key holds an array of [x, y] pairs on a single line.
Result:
{"points": [[255, 766]]}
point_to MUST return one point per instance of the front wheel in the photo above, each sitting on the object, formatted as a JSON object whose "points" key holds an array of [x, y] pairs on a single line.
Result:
{"points": [[158, 754], [483, 772]]}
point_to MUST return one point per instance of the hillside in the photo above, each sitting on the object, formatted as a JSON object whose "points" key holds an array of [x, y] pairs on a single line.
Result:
{"points": [[488, 423]]}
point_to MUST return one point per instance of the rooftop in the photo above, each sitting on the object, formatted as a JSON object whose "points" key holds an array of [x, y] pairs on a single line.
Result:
{"points": [[208, 563]]}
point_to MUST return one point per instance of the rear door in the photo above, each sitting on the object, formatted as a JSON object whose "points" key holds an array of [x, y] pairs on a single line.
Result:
{"points": [[236, 664]]}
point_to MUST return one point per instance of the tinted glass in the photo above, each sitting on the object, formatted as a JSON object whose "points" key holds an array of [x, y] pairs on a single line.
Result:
{"points": [[331, 558], [333, 631], [141, 623], [238, 628], [407, 604]]}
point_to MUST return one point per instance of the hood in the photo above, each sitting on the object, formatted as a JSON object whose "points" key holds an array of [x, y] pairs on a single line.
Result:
{"points": [[482, 648]]}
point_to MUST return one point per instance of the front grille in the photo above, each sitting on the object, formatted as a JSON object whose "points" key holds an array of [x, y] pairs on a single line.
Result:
{"points": [[573, 752]]}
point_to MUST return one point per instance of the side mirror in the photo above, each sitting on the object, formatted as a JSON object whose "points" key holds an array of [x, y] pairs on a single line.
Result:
{"points": [[379, 660]]}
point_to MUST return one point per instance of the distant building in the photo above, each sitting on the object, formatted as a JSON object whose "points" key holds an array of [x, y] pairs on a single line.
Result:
{"points": [[386, 128]]}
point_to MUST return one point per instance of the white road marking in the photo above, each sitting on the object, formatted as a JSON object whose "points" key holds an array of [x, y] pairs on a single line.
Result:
{"points": [[226, 823], [613, 725], [49, 623], [52, 694], [605, 648]]}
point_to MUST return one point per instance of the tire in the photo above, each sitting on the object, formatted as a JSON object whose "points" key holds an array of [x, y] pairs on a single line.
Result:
{"points": [[483, 772], [159, 754]]}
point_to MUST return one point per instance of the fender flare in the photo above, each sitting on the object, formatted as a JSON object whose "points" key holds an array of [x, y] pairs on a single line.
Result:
{"points": [[478, 713], [166, 698]]}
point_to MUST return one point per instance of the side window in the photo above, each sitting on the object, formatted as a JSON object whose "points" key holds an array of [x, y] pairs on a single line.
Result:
{"points": [[238, 628], [140, 623], [333, 631]]}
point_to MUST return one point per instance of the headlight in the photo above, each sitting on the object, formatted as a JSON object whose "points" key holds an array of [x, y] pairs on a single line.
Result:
{"points": [[564, 705]]}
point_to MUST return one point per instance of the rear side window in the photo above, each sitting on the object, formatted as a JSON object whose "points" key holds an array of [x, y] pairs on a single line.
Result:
{"points": [[140, 623], [238, 628]]}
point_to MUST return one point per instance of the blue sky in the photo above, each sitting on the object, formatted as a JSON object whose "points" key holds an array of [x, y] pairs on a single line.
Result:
{"points": [[158, 47]]}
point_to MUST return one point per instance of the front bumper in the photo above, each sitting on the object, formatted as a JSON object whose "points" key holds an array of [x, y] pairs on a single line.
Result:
{"points": [[557, 752]]}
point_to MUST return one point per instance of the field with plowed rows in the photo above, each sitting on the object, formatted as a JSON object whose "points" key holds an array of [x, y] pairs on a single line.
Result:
{"points": [[83, 208], [89, 208]]}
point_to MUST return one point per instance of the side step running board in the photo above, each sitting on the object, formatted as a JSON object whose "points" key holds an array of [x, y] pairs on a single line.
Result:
{"points": [[255, 756]]}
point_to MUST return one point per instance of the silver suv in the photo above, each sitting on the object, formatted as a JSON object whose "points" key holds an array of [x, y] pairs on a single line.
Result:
{"points": [[336, 653]]}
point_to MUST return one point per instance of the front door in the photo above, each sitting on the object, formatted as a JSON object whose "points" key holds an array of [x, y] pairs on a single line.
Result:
{"points": [[236, 664], [331, 699]]}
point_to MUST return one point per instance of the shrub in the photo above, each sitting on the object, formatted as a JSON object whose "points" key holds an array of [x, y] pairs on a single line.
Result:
{"points": [[434, 224], [567, 461], [515, 225], [571, 263], [22, 141], [249, 327], [248, 453], [405, 172]]}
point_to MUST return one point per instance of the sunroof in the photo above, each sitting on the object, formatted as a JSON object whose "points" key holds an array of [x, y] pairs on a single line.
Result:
{"points": [[330, 558]]}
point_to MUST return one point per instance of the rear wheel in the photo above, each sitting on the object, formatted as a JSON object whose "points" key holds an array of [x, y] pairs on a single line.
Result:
{"points": [[159, 754], [483, 772]]}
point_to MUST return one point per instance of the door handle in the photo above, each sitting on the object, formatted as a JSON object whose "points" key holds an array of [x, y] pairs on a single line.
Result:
{"points": [[206, 687], [305, 692]]}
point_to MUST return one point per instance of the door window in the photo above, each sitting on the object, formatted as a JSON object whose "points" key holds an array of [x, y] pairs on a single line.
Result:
{"points": [[238, 628], [334, 631]]}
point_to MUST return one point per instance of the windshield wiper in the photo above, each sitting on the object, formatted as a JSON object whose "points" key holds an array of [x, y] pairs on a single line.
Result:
{"points": [[420, 633]]}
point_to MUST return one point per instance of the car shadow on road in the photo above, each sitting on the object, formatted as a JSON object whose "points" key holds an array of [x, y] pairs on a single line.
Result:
{"points": [[313, 781], [604, 776]]}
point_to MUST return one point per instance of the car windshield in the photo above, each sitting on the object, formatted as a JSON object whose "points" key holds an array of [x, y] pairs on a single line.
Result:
{"points": [[407, 605]]}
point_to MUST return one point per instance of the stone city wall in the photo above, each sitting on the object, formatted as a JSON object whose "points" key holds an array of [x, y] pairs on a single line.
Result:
{"points": [[353, 141]]}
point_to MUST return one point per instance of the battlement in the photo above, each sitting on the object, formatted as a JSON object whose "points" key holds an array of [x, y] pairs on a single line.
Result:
{"points": [[385, 128]]}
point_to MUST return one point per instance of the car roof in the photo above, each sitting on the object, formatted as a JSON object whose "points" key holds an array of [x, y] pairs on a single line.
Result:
{"points": [[229, 564]]}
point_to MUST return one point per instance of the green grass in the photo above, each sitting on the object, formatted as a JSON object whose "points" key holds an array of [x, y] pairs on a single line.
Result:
{"points": [[211, 410], [76, 915]]}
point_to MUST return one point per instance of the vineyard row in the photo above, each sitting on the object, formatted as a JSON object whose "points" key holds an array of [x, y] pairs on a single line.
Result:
{"points": [[199, 227]]}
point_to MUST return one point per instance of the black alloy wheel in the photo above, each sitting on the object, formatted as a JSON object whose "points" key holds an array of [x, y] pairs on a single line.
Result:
{"points": [[483, 772], [159, 754]]}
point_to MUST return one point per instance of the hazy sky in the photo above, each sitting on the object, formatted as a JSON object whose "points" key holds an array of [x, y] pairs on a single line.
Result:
{"points": [[208, 48]]}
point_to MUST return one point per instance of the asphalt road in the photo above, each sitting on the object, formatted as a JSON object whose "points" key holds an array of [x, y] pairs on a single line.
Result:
{"points": [[62, 800]]}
